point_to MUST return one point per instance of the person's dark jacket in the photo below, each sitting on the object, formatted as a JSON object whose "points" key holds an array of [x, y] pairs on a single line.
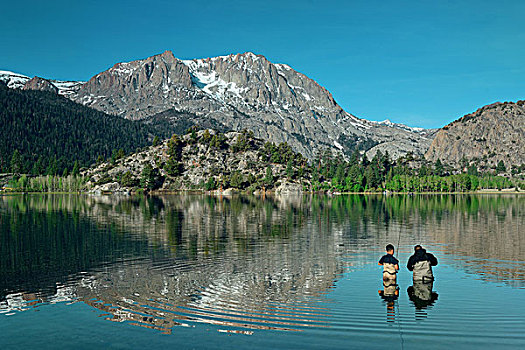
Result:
{"points": [[388, 259], [421, 265], [421, 255]]}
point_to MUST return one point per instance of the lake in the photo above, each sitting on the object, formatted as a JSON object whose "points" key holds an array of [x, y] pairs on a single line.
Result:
{"points": [[196, 271]]}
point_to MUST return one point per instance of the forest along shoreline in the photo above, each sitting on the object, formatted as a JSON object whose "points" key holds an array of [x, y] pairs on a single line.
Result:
{"points": [[208, 161]]}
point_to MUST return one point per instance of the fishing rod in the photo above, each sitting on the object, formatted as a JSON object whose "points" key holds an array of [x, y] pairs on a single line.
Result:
{"points": [[398, 311]]}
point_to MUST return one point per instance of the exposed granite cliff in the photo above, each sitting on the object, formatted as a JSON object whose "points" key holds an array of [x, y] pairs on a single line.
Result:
{"points": [[493, 133], [42, 84]]}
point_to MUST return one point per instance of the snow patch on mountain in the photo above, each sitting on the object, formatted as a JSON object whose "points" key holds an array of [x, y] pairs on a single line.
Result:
{"points": [[67, 88], [123, 68], [17, 81], [389, 123], [13, 80], [209, 81]]}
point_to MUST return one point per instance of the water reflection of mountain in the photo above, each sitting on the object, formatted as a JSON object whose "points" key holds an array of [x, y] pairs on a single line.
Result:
{"points": [[254, 263], [488, 232], [241, 261]]}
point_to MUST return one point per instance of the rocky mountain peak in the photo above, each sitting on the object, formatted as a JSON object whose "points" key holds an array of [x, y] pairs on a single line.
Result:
{"points": [[254, 83], [241, 91], [133, 89], [37, 83]]}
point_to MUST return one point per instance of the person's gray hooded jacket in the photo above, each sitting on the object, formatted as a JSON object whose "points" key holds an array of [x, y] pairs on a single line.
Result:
{"points": [[421, 265]]}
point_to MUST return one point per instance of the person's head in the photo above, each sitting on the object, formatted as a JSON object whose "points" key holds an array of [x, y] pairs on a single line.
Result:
{"points": [[390, 249], [417, 247]]}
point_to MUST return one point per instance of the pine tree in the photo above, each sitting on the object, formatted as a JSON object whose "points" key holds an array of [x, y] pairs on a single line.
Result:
{"points": [[127, 180], [156, 141], [210, 184], [150, 178], [364, 162], [236, 179], [206, 137], [16, 162], [354, 158], [438, 168], [175, 145], [121, 154], [472, 170], [268, 179], [500, 168], [289, 169], [52, 168], [76, 169], [173, 167]]}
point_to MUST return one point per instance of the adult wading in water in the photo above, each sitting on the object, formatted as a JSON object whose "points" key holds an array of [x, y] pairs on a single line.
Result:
{"points": [[421, 264]]}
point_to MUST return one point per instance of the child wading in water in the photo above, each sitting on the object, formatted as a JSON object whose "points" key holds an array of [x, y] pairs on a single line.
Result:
{"points": [[390, 264]]}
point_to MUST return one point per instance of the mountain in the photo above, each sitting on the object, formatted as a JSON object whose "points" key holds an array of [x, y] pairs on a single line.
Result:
{"points": [[423, 131], [491, 134], [242, 91], [18, 81], [49, 131], [41, 84]]}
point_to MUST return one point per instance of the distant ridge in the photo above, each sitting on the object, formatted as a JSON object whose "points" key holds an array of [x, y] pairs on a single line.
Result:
{"points": [[491, 134], [17, 81]]}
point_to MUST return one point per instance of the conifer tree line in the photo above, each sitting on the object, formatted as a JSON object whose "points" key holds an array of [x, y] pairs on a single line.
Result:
{"points": [[405, 174], [326, 172], [42, 133], [48, 183]]}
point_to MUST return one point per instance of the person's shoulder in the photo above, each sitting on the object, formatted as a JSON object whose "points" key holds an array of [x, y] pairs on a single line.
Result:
{"points": [[433, 259], [390, 259]]}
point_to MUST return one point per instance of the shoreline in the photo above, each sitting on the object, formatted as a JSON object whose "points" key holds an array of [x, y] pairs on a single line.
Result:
{"points": [[269, 193]]}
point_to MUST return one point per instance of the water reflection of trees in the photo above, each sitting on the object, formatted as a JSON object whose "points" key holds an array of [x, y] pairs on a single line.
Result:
{"points": [[39, 246], [480, 226]]}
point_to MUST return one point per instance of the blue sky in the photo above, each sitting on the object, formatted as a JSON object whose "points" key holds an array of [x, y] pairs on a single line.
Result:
{"points": [[423, 63]]}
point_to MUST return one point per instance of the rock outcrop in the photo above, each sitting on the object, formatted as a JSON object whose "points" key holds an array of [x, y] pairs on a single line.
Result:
{"points": [[493, 133], [200, 162], [41, 84]]}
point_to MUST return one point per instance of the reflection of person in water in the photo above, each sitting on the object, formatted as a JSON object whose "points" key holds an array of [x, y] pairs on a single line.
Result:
{"points": [[389, 294], [421, 264], [421, 294]]}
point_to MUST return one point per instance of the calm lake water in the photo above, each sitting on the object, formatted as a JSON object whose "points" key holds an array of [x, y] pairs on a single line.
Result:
{"points": [[245, 272]]}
